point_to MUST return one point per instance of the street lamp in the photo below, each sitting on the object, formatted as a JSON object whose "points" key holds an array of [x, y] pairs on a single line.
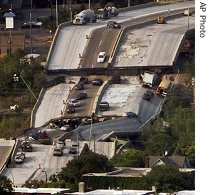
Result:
{"points": [[16, 78], [188, 19], [129, 3], [89, 4], [45, 175], [30, 28], [56, 13], [91, 126]]}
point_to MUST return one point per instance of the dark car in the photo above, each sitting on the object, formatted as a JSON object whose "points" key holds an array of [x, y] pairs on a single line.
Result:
{"points": [[32, 25], [103, 106], [130, 114], [113, 24], [84, 80], [70, 108], [97, 81], [72, 150], [148, 95], [81, 96], [58, 152], [79, 86]]}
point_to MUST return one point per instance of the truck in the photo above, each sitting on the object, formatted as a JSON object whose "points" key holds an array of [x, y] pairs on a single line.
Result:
{"points": [[149, 79], [84, 17], [107, 12], [163, 87]]}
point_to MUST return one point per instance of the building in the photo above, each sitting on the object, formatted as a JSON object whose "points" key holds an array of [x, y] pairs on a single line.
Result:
{"points": [[177, 161]]}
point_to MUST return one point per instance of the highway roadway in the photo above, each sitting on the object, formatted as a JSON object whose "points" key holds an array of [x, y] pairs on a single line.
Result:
{"points": [[72, 39], [153, 45]]}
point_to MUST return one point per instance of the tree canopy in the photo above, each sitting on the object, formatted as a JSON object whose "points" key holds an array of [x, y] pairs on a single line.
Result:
{"points": [[168, 178], [5, 185]]}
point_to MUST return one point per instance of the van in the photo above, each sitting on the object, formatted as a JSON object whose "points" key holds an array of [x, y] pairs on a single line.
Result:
{"points": [[103, 106]]}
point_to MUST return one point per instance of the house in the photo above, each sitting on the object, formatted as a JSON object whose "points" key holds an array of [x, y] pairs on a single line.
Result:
{"points": [[177, 161]]}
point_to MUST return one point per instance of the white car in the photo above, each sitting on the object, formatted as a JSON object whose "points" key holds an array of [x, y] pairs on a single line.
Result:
{"points": [[19, 157], [74, 102], [60, 144], [66, 128], [101, 57]]}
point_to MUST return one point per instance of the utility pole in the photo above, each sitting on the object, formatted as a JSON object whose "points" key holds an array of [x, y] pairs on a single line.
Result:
{"points": [[188, 19], [129, 3], [56, 13], [30, 29]]}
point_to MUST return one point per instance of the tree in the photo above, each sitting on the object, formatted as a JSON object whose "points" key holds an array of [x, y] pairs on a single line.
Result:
{"points": [[87, 162], [130, 158], [5, 185], [168, 178], [159, 142]]}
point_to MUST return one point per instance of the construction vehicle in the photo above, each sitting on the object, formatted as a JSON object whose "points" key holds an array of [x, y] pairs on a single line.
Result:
{"points": [[163, 87], [84, 17], [161, 20], [107, 12]]}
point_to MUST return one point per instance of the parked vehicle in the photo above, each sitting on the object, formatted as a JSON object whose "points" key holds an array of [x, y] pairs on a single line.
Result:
{"points": [[107, 12], [163, 87], [74, 144], [79, 86], [97, 81], [26, 146], [130, 114], [149, 79], [58, 152], [101, 57], [32, 24], [103, 106], [113, 24], [83, 80], [60, 145], [66, 128], [72, 150], [148, 95], [70, 108], [81, 96], [74, 102], [19, 157], [84, 17]]}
